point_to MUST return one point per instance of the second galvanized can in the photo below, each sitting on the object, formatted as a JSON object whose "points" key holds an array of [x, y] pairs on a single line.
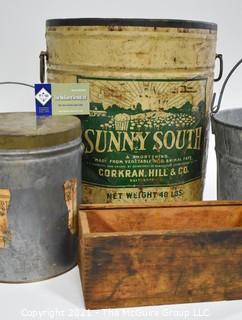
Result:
{"points": [[40, 166], [227, 128], [151, 84]]}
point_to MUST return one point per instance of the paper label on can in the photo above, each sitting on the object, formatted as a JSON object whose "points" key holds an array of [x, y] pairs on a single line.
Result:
{"points": [[70, 191], [4, 205], [143, 133]]}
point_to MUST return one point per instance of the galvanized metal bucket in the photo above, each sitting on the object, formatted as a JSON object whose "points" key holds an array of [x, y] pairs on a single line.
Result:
{"points": [[151, 85], [40, 173], [227, 128]]}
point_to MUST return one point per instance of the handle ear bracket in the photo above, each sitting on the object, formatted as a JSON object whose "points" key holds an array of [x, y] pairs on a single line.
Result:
{"points": [[43, 57], [221, 66]]}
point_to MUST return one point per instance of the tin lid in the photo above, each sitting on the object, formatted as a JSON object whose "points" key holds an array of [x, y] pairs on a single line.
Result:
{"points": [[22, 130], [165, 23]]}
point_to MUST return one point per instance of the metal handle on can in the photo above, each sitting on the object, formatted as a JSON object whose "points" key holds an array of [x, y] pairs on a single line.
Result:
{"points": [[221, 66], [216, 108], [43, 57]]}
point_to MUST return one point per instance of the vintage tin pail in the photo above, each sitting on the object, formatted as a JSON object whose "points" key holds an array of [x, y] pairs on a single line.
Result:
{"points": [[40, 166], [227, 128], [151, 83]]}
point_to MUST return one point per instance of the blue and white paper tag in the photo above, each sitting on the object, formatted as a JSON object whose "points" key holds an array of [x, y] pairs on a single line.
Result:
{"points": [[62, 99]]}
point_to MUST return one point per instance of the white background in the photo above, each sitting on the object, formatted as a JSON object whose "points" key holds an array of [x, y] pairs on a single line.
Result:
{"points": [[22, 37]]}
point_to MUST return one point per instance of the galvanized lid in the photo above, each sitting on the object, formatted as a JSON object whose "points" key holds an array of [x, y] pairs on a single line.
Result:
{"points": [[22, 130], [159, 23]]}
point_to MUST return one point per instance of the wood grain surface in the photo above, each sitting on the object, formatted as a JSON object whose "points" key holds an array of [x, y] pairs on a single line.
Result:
{"points": [[161, 255]]}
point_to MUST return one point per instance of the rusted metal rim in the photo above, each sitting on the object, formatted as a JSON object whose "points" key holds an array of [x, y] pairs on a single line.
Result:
{"points": [[169, 23], [215, 116]]}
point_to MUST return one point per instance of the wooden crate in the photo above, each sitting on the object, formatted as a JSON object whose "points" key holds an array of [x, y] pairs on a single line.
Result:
{"points": [[137, 255]]}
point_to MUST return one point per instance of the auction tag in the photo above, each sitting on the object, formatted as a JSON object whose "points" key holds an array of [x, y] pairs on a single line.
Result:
{"points": [[62, 99]]}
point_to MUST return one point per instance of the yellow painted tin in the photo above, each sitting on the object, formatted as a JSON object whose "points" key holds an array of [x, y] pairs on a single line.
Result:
{"points": [[151, 84]]}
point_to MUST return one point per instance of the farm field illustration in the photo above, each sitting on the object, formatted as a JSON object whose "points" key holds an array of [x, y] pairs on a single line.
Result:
{"points": [[139, 105], [128, 118]]}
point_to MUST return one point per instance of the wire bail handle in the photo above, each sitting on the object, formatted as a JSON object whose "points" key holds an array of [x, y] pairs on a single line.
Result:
{"points": [[215, 109]]}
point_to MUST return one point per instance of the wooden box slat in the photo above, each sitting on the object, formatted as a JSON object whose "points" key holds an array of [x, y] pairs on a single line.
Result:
{"points": [[137, 255]]}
